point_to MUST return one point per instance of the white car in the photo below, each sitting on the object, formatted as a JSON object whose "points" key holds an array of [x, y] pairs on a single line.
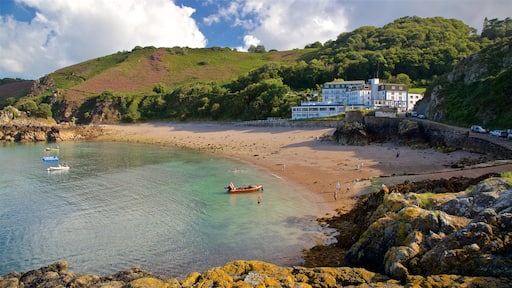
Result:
{"points": [[496, 133], [478, 129]]}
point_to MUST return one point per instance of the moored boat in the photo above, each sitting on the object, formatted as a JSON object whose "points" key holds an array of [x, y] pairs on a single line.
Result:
{"points": [[241, 189], [56, 148], [51, 149], [58, 167], [50, 158]]}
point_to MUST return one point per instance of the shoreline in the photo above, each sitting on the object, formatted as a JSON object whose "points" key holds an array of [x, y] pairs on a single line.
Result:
{"points": [[299, 155]]}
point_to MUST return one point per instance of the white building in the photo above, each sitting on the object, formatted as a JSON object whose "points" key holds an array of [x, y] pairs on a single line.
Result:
{"points": [[337, 90], [339, 96], [389, 95], [315, 110], [361, 97], [413, 98]]}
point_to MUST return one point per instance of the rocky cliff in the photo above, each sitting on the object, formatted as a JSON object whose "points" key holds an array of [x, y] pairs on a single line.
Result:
{"points": [[459, 226], [477, 89], [16, 126], [44, 133]]}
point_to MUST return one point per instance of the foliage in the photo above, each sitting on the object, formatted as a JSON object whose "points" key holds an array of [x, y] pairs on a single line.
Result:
{"points": [[487, 100], [257, 49], [495, 28], [28, 106], [507, 175], [418, 47], [220, 83], [44, 110]]}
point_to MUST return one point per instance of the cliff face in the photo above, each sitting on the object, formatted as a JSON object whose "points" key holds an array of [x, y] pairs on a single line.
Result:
{"points": [[464, 233], [473, 85], [16, 126]]}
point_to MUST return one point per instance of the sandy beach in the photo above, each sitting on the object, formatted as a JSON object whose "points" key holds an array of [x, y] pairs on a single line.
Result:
{"points": [[300, 156]]}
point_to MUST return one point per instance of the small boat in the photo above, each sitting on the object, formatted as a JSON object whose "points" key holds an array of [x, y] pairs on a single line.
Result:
{"points": [[50, 158], [233, 189], [51, 149], [58, 167], [56, 148]]}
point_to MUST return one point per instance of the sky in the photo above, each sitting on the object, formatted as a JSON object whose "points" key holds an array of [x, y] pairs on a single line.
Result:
{"points": [[38, 37]]}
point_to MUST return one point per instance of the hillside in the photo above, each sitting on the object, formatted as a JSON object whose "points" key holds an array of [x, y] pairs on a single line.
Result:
{"points": [[141, 69], [219, 83], [477, 91], [12, 89]]}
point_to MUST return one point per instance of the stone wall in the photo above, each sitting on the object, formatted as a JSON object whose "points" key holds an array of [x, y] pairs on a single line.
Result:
{"points": [[438, 135], [444, 135]]}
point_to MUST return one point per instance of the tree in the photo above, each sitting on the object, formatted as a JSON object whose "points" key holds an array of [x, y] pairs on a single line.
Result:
{"points": [[495, 28], [401, 78], [44, 110], [257, 49], [29, 106], [159, 88], [316, 44]]}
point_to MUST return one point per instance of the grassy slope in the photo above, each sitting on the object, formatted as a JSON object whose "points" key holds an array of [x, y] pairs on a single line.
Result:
{"points": [[140, 70], [15, 89]]}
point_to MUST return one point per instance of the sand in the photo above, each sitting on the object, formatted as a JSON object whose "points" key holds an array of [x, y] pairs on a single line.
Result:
{"points": [[299, 155]]}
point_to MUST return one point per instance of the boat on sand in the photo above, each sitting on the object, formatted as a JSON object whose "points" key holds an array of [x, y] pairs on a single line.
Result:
{"points": [[241, 189]]}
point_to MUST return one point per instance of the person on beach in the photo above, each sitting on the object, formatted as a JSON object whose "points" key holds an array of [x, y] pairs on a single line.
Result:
{"points": [[259, 199], [348, 188]]}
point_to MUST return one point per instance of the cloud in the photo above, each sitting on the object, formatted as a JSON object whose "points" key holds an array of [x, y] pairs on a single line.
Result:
{"points": [[289, 24], [284, 24], [294, 23], [67, 32]]}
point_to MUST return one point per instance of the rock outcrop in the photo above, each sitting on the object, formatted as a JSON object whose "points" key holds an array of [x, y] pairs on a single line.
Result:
{"points": [[239, 274], [428, 228], [38, 133], [16, 126]]}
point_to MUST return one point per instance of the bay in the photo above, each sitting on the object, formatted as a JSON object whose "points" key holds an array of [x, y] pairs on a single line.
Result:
{"points": [[163, 209]]}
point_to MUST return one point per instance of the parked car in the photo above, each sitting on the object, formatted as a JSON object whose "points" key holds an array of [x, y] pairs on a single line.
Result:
{"points": [[421, 116], [509, 137], [478, 129], [499, 133]]}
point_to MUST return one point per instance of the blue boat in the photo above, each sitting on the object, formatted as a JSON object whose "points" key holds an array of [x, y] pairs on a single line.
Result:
{"points": [[50, 158]]}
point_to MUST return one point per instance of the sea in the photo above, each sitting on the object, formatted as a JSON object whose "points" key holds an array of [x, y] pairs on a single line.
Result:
{"points": [[163, 209]]}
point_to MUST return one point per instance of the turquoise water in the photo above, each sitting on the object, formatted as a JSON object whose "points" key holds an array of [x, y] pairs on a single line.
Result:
{"points": [[124, 205]]}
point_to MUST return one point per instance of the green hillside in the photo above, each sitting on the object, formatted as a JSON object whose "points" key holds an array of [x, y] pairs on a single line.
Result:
{"points": [[477, 91], [150, 83], [171, 67]]}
